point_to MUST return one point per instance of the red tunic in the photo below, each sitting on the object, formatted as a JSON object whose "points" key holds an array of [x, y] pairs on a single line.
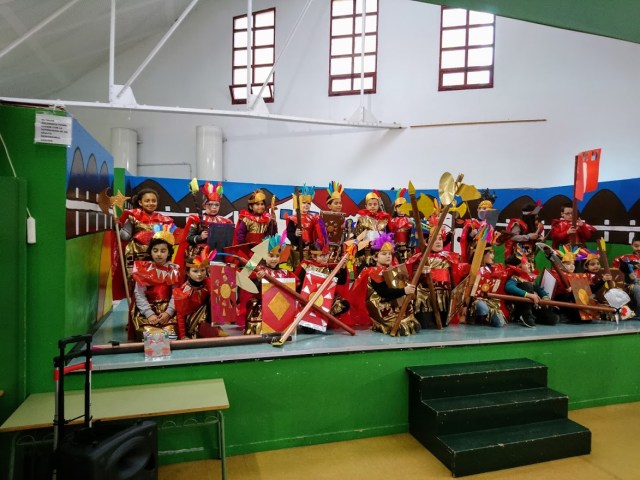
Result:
{"points": [[560, 236], [313, 229], [187, 299], [253, 228]]}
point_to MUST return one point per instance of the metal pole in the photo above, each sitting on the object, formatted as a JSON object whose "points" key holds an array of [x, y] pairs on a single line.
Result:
{"points": [[273, 68], [157, 48], [112, 49], [37, 28]]}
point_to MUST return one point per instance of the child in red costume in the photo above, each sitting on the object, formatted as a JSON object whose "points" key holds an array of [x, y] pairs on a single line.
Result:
{"points": [[381, 302], [446, 270], [191, 299], [311, 229], [255, 223], [138, 225], [629, 265], [401, 226], [198, 225], [562, 230], [525, 231], [374, 221], [153, 308], [269, 265]]}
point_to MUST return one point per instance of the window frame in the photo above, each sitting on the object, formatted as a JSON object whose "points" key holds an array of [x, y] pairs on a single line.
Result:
{"points": [[255, 86], [466, 69], [353, 77]]}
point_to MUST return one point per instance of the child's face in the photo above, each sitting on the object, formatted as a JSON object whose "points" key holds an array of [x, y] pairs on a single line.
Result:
{"points": [[305, 207], [321, 258], [373, 205], [636, 247], [160, 253], [335, 205], [272, 260], [567, 214], [487, 259], [570, 266], [197, 274], [438, 244], [148, 202], [399, 212], [383, 258], [212, 208], [525, 266], [258, 208], [593, 266]]}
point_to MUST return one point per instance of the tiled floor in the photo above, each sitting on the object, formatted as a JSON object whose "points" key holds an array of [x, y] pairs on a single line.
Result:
{"points": [[614, 456]]}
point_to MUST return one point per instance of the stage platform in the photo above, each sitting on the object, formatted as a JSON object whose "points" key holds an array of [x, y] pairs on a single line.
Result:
{"points": [[112, 328]]}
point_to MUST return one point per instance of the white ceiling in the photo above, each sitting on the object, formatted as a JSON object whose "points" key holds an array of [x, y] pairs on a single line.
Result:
{"points": [[74, 43]]}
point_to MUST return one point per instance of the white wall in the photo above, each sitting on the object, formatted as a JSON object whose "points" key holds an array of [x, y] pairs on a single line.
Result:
{"points": [[583, 85]]}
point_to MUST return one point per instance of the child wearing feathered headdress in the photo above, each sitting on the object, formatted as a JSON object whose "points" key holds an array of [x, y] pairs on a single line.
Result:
{"points": [[277, 251], [382, 301], [489, 311], [153, 308], [197, 226], [521, 283], [193, 308], [307, 229]]}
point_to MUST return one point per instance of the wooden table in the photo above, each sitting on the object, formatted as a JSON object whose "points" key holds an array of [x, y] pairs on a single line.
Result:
{"points": [[135, 402]]}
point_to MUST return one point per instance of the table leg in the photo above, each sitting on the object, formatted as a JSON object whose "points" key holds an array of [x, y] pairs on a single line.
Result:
{"points": [[221, 451]]}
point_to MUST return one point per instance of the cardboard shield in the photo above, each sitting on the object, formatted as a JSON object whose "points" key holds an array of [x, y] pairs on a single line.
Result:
{"points": [[334, 224], [312, 281], [223, 292], [457, 302], [582, 295], [278, 308]]}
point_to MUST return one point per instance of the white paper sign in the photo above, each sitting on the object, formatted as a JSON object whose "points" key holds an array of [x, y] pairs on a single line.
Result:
{"points": [[53, 129]]}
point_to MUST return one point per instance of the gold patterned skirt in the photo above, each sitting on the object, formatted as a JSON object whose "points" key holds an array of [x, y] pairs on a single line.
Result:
{"points": [[140, 324], [383, 314]]}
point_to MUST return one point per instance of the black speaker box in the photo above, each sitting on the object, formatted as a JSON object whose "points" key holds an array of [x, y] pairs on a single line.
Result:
{"points": [[110, 451]]}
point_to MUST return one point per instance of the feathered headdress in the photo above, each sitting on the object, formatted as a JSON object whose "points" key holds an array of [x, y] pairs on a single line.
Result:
{"points": [[305, 194], [165, 232], [201, 260], [591, 256], [335, 191], [211, 193], [400, 199], [521, 254], [383, 243], [567, 254], [276, 244]]}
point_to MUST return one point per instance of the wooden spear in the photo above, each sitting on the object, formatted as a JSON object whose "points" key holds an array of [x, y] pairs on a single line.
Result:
{"points": [[425, 255]]}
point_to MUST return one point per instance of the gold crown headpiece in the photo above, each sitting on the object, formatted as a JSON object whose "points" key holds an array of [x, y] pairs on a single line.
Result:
{"points": [[165, 232], [400, 198], [257, 196], [372, 195]]}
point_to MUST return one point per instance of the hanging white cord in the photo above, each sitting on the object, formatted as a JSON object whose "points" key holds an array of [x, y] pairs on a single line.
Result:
{"points": [[11, 164]]}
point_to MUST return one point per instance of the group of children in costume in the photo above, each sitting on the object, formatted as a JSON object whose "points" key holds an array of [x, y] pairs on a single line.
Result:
{"points": [[384, 254]]}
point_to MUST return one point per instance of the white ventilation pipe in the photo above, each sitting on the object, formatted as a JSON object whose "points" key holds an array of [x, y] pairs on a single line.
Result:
{"points": [[209, 153], [124, 148]]}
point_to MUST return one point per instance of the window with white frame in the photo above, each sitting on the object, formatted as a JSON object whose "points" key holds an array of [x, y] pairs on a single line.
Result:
{"points": [[262, 37], [353, 55], [467, 46]]}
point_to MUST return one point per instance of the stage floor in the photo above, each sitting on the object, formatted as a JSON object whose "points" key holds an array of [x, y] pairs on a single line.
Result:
{"points": [[112, 328]]}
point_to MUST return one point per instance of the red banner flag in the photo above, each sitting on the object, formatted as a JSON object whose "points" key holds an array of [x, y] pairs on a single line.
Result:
{"points": [[587, 168]]}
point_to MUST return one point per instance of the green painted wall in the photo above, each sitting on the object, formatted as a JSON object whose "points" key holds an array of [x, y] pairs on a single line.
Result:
{"points": [[13, 292], [316, 399], [81, 281]]}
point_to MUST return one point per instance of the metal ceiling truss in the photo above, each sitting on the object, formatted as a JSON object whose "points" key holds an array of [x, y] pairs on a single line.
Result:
{"points": [[121, 96]]}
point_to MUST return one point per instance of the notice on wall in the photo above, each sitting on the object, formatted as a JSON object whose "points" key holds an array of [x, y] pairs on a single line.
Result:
{"points": [[53, 129]]}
